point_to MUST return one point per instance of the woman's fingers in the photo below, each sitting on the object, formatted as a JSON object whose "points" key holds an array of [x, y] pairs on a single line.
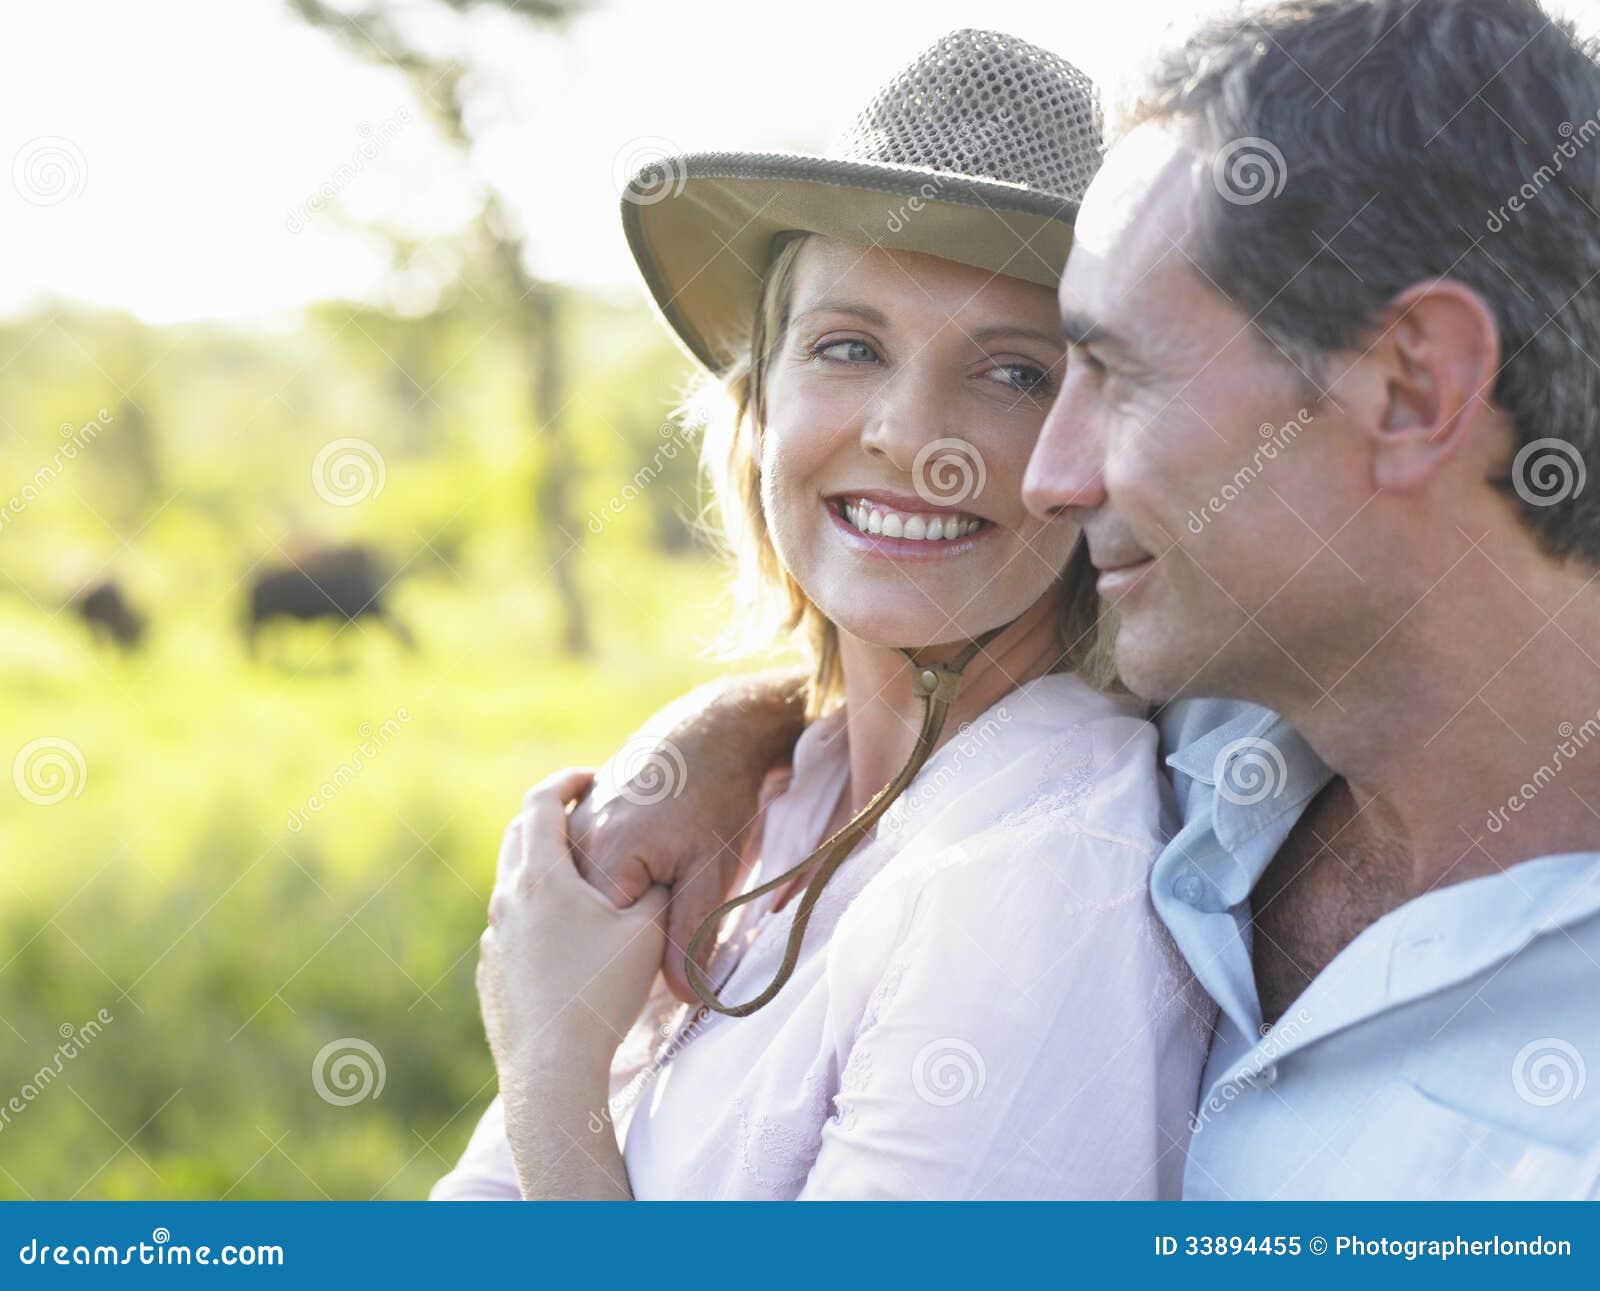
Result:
{"points": [[540, 845], [565, 786]]}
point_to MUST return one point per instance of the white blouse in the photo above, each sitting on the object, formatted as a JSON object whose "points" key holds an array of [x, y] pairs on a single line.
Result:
{"points": [[985, 1005]]}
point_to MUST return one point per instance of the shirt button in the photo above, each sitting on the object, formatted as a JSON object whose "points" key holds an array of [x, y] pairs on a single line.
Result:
{"points": [[1188, 888], [1269, 1073]]}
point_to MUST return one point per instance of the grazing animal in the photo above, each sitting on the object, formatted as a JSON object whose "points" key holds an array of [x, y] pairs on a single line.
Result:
{"points": [[109, 615], [338, 583]]}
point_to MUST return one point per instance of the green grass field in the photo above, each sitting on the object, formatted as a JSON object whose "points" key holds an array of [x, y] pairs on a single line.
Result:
{"points": [[230, 937]]}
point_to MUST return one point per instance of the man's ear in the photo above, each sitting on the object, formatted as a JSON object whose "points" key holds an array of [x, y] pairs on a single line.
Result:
{"points": [[1438, 357]]}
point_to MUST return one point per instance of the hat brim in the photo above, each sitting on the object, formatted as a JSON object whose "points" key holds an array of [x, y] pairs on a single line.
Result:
{"points": [[701, 228]]}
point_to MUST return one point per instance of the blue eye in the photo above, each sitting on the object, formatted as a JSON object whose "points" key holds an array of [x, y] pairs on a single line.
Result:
{"points": [[1028, 378], [858, 351]]}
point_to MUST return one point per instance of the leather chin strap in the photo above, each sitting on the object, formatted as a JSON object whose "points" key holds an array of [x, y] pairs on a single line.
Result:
{"points": [[938, 684]]}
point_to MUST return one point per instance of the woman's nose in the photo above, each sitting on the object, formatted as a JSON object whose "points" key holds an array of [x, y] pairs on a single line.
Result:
{"points": [[905, 416]]}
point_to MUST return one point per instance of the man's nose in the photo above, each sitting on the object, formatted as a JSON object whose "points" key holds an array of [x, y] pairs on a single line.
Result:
{"points": [[1066, 473]]}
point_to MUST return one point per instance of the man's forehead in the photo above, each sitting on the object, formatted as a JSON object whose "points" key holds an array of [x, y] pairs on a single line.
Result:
{"points": [[1137, 212]]}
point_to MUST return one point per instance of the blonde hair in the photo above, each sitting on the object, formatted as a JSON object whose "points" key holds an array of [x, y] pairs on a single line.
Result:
{"points": [[771, 606]]}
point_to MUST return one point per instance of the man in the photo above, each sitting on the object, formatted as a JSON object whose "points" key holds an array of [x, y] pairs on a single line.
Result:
{"points": [[1332, 400]]}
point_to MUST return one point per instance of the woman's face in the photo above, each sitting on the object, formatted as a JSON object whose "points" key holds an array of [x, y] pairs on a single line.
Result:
{"points": [[902, 406]]}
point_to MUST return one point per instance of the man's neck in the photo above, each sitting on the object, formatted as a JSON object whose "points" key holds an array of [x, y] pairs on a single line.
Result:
{"points": [[1472, 735]]}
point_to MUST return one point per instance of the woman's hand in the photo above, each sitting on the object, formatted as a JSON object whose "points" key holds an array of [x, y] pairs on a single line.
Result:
{"points": [[674, 806], [562, 973]]}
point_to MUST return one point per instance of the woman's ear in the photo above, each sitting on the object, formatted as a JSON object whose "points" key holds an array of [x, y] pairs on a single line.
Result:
{"points": [[1437, 359]]}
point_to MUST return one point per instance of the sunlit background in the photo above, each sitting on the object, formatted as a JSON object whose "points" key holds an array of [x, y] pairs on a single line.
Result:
{"points": [[290, 286]]}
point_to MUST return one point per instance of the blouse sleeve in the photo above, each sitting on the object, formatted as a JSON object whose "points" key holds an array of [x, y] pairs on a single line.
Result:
{"points": [[1032, 1035], [485, 1171]]}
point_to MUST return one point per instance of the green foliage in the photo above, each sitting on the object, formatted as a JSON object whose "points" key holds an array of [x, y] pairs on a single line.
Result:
{"points": [[188, 888]]}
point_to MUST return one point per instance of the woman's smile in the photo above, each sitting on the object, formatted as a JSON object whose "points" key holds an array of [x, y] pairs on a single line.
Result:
{"points": [[904, 529]]}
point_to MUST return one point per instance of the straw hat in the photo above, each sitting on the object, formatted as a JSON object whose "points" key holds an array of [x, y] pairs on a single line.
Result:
{"points": [[978, 152]]}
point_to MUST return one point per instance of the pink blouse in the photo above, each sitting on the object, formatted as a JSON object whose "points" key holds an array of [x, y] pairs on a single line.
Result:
{"points": [[985, 1005]]}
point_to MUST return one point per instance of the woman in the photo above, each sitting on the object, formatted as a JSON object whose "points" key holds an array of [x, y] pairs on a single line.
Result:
{"points": [[967, 994]]}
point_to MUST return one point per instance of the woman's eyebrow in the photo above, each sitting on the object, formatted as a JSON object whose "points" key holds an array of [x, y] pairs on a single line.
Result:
{"points": [[982, 334], [864, 312]]}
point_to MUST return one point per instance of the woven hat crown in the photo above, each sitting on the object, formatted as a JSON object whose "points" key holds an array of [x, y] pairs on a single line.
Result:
{"points": [[986, 104]]}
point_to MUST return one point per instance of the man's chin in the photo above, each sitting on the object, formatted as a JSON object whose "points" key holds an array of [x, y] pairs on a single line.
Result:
{"points": [[1152, 670]]}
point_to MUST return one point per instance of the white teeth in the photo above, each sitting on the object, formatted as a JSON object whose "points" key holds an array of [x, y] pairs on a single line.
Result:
{"points": [[917, 528]]}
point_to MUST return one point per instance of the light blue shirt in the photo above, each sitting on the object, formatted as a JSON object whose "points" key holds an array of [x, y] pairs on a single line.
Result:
{"points": [[1442, 1054]]}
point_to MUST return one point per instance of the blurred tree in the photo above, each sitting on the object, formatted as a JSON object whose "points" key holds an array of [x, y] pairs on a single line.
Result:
{"points": [[535, 308]]}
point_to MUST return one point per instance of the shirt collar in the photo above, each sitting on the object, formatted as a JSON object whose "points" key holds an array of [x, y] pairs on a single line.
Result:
{"points": [[1261, 772]]}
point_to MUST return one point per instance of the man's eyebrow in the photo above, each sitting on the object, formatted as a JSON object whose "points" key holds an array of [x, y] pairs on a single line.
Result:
{"points": [[864, 312], [1081, 329]]}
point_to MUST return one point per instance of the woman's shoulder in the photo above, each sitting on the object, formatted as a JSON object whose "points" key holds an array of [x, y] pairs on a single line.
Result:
{"points": [[1053, 760]]}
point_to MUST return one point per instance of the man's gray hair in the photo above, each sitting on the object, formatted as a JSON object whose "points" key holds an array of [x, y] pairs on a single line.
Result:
{"points": [[1362, 146]]}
